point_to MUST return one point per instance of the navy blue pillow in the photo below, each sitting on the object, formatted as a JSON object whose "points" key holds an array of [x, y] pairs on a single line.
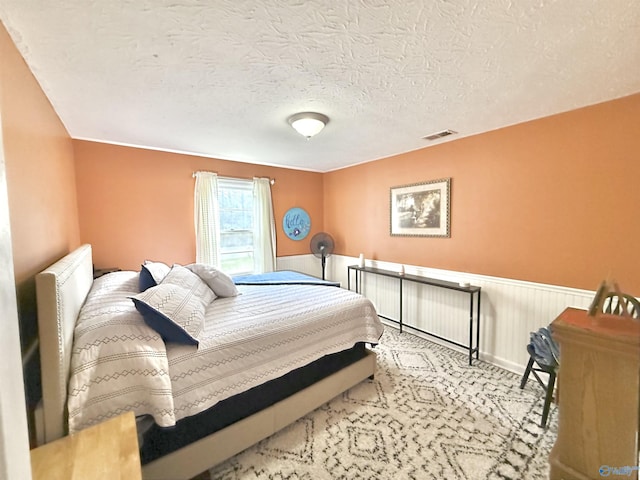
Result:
{"points": [[152, 274], [169, 330], [146, 279]]}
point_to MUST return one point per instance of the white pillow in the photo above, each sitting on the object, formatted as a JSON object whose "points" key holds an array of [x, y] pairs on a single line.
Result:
{"points": [[176, 307], [173, 312], [185, 278], [218, 281]]}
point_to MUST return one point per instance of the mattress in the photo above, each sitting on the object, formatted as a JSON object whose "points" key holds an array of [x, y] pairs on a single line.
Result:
{"points": [[157, 442], [120, 364]]}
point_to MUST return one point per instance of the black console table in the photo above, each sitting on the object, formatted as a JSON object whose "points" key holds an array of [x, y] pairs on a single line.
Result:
{"points": [[472, 291]]}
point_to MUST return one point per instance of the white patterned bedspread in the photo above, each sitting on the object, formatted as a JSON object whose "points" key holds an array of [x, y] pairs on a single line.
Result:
{"points": [[120, 364]]}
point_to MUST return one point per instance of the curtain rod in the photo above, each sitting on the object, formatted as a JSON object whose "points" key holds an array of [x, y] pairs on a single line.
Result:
{"points": [[272, 181]]}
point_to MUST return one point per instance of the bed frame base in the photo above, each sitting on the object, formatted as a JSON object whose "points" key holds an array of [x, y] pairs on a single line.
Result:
{"points": [[61, 290], [204, 454]]}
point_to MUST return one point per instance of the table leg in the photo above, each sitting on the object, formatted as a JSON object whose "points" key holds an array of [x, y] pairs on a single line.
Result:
{"points": [[401, 305], [478, 326], [470, 328]]}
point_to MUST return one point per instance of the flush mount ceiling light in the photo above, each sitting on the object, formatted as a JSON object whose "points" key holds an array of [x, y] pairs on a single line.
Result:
{"points": [[308, 124]]}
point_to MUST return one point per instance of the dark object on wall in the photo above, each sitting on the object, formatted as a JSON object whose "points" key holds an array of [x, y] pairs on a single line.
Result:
{"points": [[322, 247], [421, 209]]}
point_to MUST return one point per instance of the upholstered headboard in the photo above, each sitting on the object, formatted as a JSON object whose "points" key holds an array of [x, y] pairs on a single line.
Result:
{"points": [[60, 290]]}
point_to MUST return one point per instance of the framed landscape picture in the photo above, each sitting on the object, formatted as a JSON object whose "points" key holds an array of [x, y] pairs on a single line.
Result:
{"points": [[421, 209]]}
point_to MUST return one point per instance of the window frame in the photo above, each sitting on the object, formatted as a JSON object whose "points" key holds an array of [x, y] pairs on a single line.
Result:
{"points": [[246, 186]]}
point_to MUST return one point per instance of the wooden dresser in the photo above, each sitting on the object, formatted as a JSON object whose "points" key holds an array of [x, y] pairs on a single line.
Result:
{"points": [[599, 386], [107, 451]]}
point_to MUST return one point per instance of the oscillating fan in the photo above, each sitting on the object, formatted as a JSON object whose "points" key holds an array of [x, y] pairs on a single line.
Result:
{"points": [[322, 247]]}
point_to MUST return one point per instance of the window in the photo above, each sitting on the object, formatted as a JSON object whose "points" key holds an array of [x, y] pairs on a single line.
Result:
{"points": [[235, 203], [234, 223]]}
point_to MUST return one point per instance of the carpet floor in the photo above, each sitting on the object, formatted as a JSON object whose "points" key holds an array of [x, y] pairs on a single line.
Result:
{"points": [[426, 415]]}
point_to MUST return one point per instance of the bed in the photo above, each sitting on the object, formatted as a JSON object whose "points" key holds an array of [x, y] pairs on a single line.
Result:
{"points": [[196, 429]]}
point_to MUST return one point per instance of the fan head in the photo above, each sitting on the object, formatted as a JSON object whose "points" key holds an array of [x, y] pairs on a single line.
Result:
{"points": [[322, 245]]}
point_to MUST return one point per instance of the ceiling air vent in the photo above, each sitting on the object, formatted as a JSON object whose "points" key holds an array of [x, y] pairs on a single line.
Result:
{"points": [[438, 135]]}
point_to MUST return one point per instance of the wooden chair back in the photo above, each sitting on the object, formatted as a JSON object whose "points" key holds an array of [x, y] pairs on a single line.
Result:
{"points": [[622, 304]]}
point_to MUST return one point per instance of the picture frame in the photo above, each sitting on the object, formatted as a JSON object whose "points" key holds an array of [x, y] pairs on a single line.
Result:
{"points": [[421, 209]]}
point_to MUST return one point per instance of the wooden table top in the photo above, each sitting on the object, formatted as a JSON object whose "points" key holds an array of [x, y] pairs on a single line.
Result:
{"points": [[624, 330], [107, 451]]}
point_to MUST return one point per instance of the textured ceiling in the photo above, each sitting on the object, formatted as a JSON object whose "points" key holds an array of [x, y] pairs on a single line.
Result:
{"points": [[219, 78]]}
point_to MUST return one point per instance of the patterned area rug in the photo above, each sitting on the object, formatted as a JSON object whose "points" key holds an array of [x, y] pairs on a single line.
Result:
{"points": [[427, 415]]}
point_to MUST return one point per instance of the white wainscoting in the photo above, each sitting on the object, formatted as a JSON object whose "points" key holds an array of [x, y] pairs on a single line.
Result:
{"points": [[510, 309], [308, 264]]}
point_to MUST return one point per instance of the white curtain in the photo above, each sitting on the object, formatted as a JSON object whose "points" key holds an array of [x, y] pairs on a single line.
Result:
{"points": [[207, 219], [264, 229]]}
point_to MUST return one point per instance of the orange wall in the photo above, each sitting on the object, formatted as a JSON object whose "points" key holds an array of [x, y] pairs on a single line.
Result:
{"points": [[136, 204], [40, 169], [553, 201], [545, 201], [39, 164]]}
